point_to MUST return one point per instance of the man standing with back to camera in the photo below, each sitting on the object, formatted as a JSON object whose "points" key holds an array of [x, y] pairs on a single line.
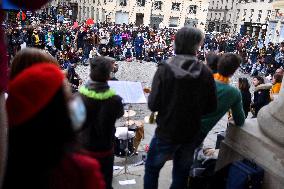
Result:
{"points": [[183, 90]]}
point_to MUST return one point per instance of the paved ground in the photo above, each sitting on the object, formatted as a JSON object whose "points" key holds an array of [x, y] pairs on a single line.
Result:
{"points": [[165, 175]]}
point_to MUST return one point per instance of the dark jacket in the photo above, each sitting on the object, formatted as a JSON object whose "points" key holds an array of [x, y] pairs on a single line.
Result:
{"points": [[246, 98], [98, 131], [261, 97], [183, 90]]}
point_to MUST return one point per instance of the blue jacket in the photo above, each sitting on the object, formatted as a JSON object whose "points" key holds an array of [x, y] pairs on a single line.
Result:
{"points": [[117, 39], [138, 44]]}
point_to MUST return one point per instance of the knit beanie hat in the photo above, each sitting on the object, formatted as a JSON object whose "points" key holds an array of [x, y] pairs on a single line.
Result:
{"points": [[31, 90]]}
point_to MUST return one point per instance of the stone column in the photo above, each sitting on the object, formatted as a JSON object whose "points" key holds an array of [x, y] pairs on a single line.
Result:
{"points": [[271, 118], [260, 140]]}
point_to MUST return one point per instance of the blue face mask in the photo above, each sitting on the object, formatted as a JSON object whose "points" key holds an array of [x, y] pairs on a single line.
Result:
{"points": [[78, 113]]}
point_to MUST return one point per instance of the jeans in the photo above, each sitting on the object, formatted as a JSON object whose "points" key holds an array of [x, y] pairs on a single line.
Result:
{"points": [[160, 151]]}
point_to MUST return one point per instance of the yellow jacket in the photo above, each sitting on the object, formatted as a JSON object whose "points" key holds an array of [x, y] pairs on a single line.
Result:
{"points": [[276, 88]]}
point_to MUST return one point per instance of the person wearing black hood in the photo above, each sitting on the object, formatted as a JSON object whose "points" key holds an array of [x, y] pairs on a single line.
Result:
{"points": [[183, 90]]}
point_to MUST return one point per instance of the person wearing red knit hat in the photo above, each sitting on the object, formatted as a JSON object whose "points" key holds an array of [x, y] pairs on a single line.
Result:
{"points": [[43, 118]]}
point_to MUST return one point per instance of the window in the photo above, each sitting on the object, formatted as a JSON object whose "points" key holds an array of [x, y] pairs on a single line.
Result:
{"points": [[158, 5], [238, 14], [141, 3], [173, 22], [259, 15], [192, 9], [122, 3], [244, 15], [277, 12], [176, 6], [268, 14]]}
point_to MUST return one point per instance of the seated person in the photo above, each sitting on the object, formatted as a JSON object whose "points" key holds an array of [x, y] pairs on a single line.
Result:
{"points": [[228, 97], [276, 85], [261, 95]]}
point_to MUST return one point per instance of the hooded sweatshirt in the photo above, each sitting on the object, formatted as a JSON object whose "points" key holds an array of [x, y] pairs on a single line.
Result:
{"points": [[183, 90]]}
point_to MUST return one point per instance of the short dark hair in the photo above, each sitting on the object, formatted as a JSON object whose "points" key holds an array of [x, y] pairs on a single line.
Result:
{"points": [[228, 64], [278, 78], [101, 68], [187, 40], [212, 61]]}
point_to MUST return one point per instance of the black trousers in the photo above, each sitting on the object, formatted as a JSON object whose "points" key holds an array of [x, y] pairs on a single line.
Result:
{"points": [[107, 169]]}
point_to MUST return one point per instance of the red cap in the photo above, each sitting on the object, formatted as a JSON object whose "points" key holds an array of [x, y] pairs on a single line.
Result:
{"points": [[31, 90]]}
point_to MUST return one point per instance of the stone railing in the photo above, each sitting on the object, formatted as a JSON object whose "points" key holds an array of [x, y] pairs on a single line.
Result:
{"points": [[260, 140]]}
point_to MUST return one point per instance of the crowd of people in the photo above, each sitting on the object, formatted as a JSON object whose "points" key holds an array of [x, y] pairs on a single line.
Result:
{"points": [[257, 58], [77, 43]]}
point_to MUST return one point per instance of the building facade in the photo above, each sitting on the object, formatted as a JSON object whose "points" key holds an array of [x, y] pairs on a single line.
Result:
{"points": [[159, 13], [261, 19], [221, 15]]}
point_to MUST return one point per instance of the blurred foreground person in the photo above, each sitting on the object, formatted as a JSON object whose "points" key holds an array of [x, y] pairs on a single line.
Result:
{"points": [[28, 57], [104, 107], [43, 118], [183, 90]]}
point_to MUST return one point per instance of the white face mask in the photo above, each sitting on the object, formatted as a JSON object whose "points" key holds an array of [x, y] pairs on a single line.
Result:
{"points": [[78, 113]]}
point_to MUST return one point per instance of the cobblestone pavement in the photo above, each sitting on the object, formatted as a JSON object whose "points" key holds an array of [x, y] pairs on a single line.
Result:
{"points": [[144, 72]]}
